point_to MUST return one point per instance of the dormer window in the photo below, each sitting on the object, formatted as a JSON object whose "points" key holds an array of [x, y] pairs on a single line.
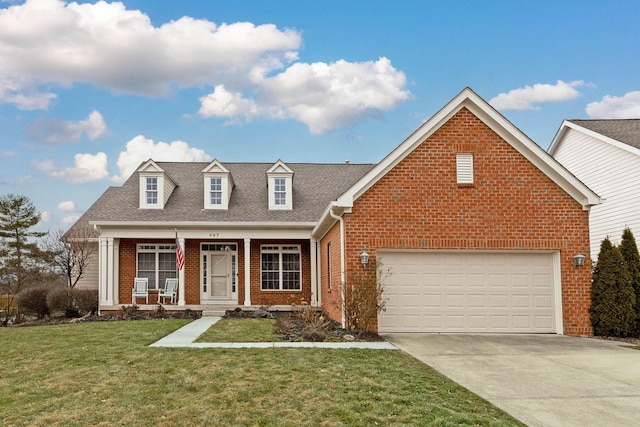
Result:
{"points": [[155, 186], [280, 186], [218, 185], [152, 190]]}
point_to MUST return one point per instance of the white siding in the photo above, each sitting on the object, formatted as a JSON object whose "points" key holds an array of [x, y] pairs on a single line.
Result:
{"points": [[168, 189], [614, 174]]}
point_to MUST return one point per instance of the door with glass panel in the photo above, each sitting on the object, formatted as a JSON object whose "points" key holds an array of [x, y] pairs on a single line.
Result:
{"points": [[218, 273]]}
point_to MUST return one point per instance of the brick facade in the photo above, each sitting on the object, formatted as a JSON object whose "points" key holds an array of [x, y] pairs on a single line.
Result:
{"points": [[511, 205]]}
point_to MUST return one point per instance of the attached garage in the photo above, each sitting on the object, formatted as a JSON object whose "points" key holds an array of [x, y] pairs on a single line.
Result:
{"points": [[471, 291]]}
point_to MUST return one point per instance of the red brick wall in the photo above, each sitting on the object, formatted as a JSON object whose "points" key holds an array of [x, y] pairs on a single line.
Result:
{"points": [[511, 205], [191, 249], [331, 297]]}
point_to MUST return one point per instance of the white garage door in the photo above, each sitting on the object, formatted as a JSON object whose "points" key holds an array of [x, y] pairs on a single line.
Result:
{"points": [[469, 292]]}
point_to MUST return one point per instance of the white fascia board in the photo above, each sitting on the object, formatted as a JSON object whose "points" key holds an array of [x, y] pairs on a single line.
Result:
{"points": [[204, 224], [213, 233], [569, 125], [326, 220], [499, 124], [558, 138]]}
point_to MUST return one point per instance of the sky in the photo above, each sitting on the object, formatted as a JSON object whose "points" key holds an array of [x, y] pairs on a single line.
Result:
{"points": [[89, 90]]}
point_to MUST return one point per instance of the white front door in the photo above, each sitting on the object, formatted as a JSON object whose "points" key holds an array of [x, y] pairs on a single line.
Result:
{"points": [[216, 276]]}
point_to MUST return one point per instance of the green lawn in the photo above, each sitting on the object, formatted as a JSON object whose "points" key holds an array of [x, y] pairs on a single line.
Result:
{"points": [[245, 330], [105, 374]]}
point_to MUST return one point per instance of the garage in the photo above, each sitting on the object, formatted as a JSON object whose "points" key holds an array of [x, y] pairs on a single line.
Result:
{"points": [[470, 291]]}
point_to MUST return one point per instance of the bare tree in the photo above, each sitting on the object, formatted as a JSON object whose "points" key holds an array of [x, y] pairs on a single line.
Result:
{"points": [[72, 253]]}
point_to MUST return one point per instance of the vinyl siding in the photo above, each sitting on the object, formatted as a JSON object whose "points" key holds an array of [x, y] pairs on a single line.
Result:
{"points": [[89, 279], [614, 174]]}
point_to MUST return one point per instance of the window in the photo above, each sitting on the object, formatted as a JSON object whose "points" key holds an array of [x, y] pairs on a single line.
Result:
{"points": [[280, 267], [329, 269], [280, 189], [464, 168], [216, 191], [157, 263], [152, 191]]}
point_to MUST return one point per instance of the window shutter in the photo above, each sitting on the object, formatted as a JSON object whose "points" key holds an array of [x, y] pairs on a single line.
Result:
{"points": [[464, 165]]}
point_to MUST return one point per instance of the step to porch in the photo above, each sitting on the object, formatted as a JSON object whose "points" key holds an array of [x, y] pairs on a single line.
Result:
{"points": [[218, 310]]}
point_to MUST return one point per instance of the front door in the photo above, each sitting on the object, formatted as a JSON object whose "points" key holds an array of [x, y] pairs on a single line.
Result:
{"points": [[216, 276]]}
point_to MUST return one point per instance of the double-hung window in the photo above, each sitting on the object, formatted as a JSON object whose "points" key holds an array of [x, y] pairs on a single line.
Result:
{"points": [[152, 190], [215, 192], [280, 267], [157, 263], [280, 191]]}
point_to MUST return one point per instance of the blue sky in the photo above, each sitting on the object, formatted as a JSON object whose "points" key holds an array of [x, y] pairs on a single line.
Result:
{"points": [[90, 90]]}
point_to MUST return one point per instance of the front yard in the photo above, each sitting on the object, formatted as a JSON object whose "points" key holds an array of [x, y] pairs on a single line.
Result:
{"points": [[104, 373]]}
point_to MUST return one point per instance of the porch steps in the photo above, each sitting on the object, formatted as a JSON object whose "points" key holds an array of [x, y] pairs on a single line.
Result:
{"points": [[218, 310]]}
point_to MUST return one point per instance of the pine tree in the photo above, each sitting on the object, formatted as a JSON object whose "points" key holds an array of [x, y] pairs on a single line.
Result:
{"points": [[612, 296], [629, 251]]}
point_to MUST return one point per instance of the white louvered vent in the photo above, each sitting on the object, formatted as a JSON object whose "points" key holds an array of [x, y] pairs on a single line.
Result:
{"points": [[464, 167]]}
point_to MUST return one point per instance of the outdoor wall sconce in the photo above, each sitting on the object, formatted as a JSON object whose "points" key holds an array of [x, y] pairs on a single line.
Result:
{"points": [[578, 260], [364, 258]]}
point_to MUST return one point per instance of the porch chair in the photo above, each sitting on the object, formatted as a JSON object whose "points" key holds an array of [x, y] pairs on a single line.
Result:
{"points": [[170, 290], [140, 289]]}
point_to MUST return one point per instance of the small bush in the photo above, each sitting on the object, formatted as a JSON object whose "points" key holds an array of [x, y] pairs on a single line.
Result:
{"points": [[34, 300], [86, 300], [363, 296], [283, 325], [61, 301]]}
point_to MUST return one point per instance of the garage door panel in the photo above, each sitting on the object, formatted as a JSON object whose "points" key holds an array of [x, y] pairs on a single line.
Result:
{"points": [[469, 292]]}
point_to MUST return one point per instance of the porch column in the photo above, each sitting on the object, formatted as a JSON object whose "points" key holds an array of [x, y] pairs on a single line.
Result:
{"points": [[181, 285], [109, 271], [247, 272], [103, 275], [116, 271], [313, 254]]}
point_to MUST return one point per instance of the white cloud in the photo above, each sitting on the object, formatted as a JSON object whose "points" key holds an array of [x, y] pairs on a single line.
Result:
{"points": [[45, 216], [540, 93], [71, 219], [323, 96], [88, 167], [58, 131], [140, 149], [626, 106], [68, 205], [44, 43]]}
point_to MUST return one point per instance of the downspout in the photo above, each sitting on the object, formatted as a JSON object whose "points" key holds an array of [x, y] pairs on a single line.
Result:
{"points": [[343, 272]]}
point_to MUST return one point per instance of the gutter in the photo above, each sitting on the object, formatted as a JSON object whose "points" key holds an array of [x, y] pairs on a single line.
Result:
{"points": [[343, 272]]}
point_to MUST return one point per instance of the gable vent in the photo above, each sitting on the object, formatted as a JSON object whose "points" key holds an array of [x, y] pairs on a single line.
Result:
{"points": [[464, 168]]}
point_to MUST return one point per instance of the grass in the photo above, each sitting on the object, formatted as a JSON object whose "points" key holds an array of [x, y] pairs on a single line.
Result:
{"points": [[104, 374], [240, 329]]}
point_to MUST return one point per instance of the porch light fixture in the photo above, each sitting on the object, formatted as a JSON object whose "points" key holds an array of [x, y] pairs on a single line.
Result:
{"points": [[578, 260], [364, 258]]}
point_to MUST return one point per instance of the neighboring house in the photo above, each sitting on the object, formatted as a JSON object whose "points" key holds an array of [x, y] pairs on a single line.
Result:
{"points": [[477, 224], [605, 155]]}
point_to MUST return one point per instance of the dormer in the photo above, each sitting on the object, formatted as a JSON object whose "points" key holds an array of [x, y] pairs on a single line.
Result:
{"points": [[280, 186], [218, 185], [155, 186]]}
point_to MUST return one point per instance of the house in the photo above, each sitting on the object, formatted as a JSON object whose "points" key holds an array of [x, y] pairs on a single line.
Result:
{"points": [[605, 155], [476, 223]]}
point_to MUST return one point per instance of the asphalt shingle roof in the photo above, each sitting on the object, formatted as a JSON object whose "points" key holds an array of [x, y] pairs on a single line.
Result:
{"points": [[623, 130], [314, 186]]}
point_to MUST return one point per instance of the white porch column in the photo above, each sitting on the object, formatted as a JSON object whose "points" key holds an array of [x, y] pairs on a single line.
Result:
{"points": [[181, 286], [313, 253], [105, 265], [116, 271], [247, 272]]}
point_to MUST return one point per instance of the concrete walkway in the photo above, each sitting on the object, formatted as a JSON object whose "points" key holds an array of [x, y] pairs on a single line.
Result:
{"points": [[185, 337], [542, 380]]}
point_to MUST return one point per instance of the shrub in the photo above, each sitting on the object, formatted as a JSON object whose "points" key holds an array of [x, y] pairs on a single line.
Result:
{"points": [[612, 296], [283, 325], [86, 300], [61, 300], [34, 300], [631, 257], [364, 297], [315, 325]]}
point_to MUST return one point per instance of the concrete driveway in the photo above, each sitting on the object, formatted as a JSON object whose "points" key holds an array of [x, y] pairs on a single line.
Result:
{"points": [[542, 380]]}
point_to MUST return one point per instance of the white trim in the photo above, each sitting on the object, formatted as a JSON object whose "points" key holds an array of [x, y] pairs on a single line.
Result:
{"points": [[281, 249], [566, 124], [464, 168], [495, 121], [279, 170], [207, 224], [247, 272]]}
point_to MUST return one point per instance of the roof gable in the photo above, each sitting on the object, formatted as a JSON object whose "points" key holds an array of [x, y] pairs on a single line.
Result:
{"points": [[215, 167], [495, 121], [620, 133]]}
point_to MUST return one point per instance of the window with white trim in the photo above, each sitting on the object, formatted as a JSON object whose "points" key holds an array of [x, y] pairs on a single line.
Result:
{"points": [[280, 191], [464, 168], [152, 190], [215, 191], [280, 268], [157, 263]]}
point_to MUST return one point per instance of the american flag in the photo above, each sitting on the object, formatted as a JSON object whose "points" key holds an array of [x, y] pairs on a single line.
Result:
{"points": [[179, 254]]}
